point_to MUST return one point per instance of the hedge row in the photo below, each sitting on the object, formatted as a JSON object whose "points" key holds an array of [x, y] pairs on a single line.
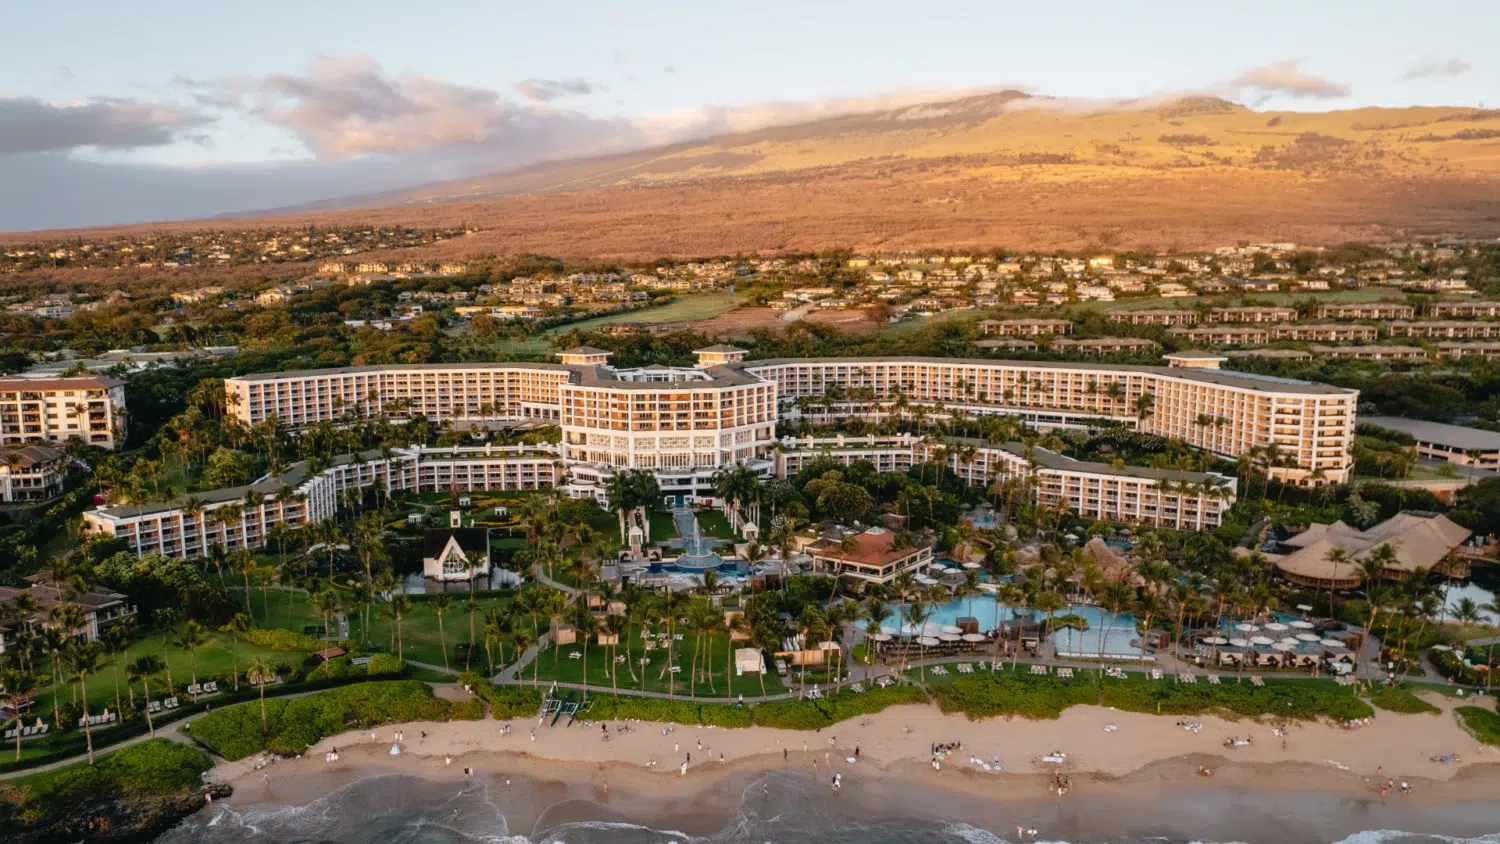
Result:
{"points": [[624, 708], [1484, 724], [815, 714], [1285, 700], [1451, 666], [292, 725]]}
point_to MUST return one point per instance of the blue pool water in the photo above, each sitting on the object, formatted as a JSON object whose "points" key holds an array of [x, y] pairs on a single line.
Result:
{"points": [[1114, 641]]}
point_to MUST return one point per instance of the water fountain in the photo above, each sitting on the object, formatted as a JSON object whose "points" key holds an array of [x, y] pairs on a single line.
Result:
{"points": [[697, 552]]}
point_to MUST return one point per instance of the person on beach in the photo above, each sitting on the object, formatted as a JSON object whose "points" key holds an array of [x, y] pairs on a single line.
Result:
{"points": [[783, 754], [683, 772]]}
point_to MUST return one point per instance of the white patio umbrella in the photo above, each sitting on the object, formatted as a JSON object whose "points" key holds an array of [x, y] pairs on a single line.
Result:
{"points": [[938, 567], [1332, 643], [1288, 640], [880, 637], [1216, 640], [1282, 646], [973, 566], [950, 637], [949, 628], [1276, 626], [1302, 625], [1239, 643], [927, 642], [974, 637], [1245, 627], [1261, 640], [1307, 637], [889, 631]]}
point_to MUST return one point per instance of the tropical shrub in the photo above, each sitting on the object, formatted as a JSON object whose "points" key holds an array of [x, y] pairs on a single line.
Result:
{"points": [[334, 669], [1484, 724], [814, 714], [385, 664], [508, 701], [292, 725], [1298, 701], [1400, 699], [988, 695], [279, 639], [1450, 665], [152, 768]]}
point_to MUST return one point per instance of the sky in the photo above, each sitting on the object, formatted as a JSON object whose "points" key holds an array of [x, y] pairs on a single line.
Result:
{"points": [[166, 109]]}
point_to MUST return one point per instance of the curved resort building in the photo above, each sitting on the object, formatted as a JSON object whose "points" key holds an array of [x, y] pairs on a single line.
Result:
{"points": [[685, 423]]}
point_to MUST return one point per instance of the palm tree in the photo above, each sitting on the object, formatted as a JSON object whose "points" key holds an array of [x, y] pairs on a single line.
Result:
{"points": [[441, 602], [144, 668], [261, 673], [587, 627], [327, 605], [917, 614], [400, 604], [244, 564], [877, 612], [17, 685], [84, 660], [237, 628], [1335, 557], [116, 639], [524, 637], [190, 638]]}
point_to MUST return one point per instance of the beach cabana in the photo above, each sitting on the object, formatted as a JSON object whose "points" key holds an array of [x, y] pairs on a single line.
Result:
{"points": [[748, 661]]}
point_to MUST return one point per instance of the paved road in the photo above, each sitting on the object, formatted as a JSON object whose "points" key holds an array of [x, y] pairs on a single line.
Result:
{"points": [[798, 312]]}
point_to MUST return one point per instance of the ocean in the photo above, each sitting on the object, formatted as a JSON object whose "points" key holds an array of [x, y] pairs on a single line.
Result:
{"points": [[789, 808]]}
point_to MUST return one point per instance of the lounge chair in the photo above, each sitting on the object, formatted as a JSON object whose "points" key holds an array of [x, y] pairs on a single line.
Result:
{"points": [[1188, 677], [1038, 669], [1213, 679], [1257, 682], [856, 688], [1065, 673], [965, 668], [1156, 674], [884, 682]]}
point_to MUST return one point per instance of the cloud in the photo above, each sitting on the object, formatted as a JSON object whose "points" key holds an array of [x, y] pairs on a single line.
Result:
{"points": [[1429, 68], [28, 124], [1287, 78], [547, 90]]}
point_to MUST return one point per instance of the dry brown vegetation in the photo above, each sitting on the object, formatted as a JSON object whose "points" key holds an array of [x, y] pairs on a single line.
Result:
{"points": [[989, 172]]}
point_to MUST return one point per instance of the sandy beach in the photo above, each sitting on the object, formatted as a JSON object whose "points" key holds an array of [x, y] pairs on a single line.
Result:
{"points": [[1107, 753]]}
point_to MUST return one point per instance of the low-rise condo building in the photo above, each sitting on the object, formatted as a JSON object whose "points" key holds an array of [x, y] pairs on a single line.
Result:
{"points": [[1025, 327], [1253, 314], [1327, 332], [31, 473], [1222, 335], [1370, 352], [1466, 350], [1455, 444], [1461, 310], [1161, 316], [57, 409], [1366, 310], [1445, 330]]}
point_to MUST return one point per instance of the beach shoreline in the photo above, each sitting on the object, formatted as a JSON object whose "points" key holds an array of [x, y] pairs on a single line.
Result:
{"points": [[1107, 753]]}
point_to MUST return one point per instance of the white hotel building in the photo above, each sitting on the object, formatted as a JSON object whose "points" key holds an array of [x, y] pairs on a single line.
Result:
{"points": [[685, 423]]}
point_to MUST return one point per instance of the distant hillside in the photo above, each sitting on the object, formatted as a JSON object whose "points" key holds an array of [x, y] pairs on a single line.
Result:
{"points": [[999, 170]]}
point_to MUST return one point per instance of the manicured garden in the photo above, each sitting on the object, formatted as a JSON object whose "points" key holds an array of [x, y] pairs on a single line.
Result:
{"points": [[1400, 699], [1484, 724]]}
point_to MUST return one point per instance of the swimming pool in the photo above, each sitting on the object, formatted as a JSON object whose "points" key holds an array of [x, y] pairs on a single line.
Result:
{"points": [[1110, 637]]}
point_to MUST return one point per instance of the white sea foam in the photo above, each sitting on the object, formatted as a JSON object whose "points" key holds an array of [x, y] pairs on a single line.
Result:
{"points": [[1379, 836]]}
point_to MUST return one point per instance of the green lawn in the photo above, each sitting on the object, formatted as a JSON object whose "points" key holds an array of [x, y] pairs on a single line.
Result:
{"points": [[217, 657], [662, 526], [569, 670], [687, 308], [420, 629], [712, 523]]}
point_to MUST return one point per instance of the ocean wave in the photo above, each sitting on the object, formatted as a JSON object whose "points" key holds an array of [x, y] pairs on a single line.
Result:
{"points": [[1396, 836]]}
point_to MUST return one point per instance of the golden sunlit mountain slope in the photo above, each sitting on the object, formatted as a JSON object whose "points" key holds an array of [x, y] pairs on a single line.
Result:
{"points": [[998, 170]]}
